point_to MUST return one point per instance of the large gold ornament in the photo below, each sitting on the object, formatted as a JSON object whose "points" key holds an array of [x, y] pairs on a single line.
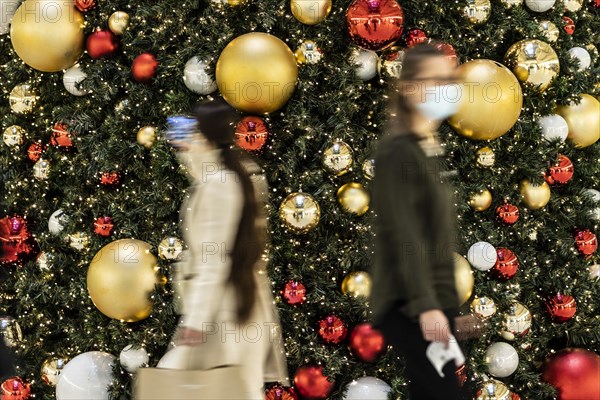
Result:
{"points": [[477, 11], [146, 136], [120, 279], [463, 278], [490, 89], [118, 22], [534, 62], [534, 196], [356, 284], [311, 12], [353, 198], [583, 120], [481, 200], [484, 307], [22, 99], [517, 321], [549, 31], [47, 34], [300, 212], [338, 158], [256, 73]]}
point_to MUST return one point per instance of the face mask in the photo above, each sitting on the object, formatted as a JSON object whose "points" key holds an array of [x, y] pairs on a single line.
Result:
{"points": [[440, 102]]}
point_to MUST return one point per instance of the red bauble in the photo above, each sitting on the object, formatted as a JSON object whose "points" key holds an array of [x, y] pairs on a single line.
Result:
{"points": [[561, 308], [251, 133], [16, 243], [84, 5], [14, 389], [366, 343], [448, 51], [294, 292], [506, 265], [562, 172], [144, 67], [280, 393], [101, 43], [103, 226], [586, 242], [414, 37], [507, 213], [574, 373], [375, 24], [35, 151], [61, 137], [596, 3], [110, 178], [332, 329], [568, 25], [311, 384]]}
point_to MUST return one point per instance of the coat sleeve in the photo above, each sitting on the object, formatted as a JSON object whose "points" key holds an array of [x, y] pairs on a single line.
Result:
{"points": [[215, 219], [402, 178]]}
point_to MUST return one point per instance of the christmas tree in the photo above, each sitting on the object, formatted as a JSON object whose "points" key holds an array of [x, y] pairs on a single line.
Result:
{"points": [[84, 163]]}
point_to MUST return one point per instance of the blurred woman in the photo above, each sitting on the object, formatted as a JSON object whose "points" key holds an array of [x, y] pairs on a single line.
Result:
{"points": [[228, 315], [414, 299]]}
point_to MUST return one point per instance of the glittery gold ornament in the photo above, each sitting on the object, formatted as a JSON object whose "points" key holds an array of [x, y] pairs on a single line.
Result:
{"points": [[549, 31], [463, 278], [13, 135], [10, 330], [368, 168], [517, 321], [353, 198], [390, 63], [477, 11], [308, 53], [583, 120], [486, 157], [573, 5], [300, 212], [512, 3], [146, 136], [22, 99], [493, 390], [51, 370], [484, 307], [533, 62], [311, 12], [118, 22], [338, 158], [534, 196], [170, 248], [79, 240], [356, 284], [481, 200], [41, 169]]}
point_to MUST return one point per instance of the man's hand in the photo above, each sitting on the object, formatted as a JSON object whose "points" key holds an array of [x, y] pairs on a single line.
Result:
{"points": [[189, 337], [435, 326]]}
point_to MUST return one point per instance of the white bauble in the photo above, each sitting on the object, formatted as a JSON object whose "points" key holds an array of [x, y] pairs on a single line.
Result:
{"points": [[86, 376], [554, 126], [540, 5], [56, 221], [482, 256], [501, 359], [595, 195], [73, 77], [196, 78], [367, 388], [131, 359], [365, 64], [585, 60], [7, 10]]}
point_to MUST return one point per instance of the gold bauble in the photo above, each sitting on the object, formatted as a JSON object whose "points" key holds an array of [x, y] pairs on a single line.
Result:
{"points": [[51, 370], [463, 278], [146, 136], [477, 11], [308, 53], [573, 5], [120, 279], [390, 63], [353, 198], [512, 3], [47, 34], [481, 200], [583, 120], [549, 31], [356, 284], [257, 73], [486, 157], [10, 331], [368, 168], [517, 321], [41, 169], [232, 3], [311, 12], [300, 212], [22, 99], [79, 240], [490, 89], [534, 196], [118, 22], [483, 306], [14, 135], [534, 62], [338, 158], [493, 390], [170, 248]]}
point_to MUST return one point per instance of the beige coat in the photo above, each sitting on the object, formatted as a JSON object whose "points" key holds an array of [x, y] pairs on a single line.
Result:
{"points": [[210, 218]]}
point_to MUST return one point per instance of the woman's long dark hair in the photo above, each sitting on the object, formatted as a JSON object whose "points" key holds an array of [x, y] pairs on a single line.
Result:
{"points": [[400, 110], [216, 121]]}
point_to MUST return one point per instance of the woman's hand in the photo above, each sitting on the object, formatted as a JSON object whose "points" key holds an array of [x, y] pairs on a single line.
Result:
{"points": [[435, 326], [189, 337]]}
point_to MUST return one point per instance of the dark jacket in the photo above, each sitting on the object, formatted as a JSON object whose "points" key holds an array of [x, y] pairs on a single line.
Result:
{"points": [[6, 361], [414, 243]]}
